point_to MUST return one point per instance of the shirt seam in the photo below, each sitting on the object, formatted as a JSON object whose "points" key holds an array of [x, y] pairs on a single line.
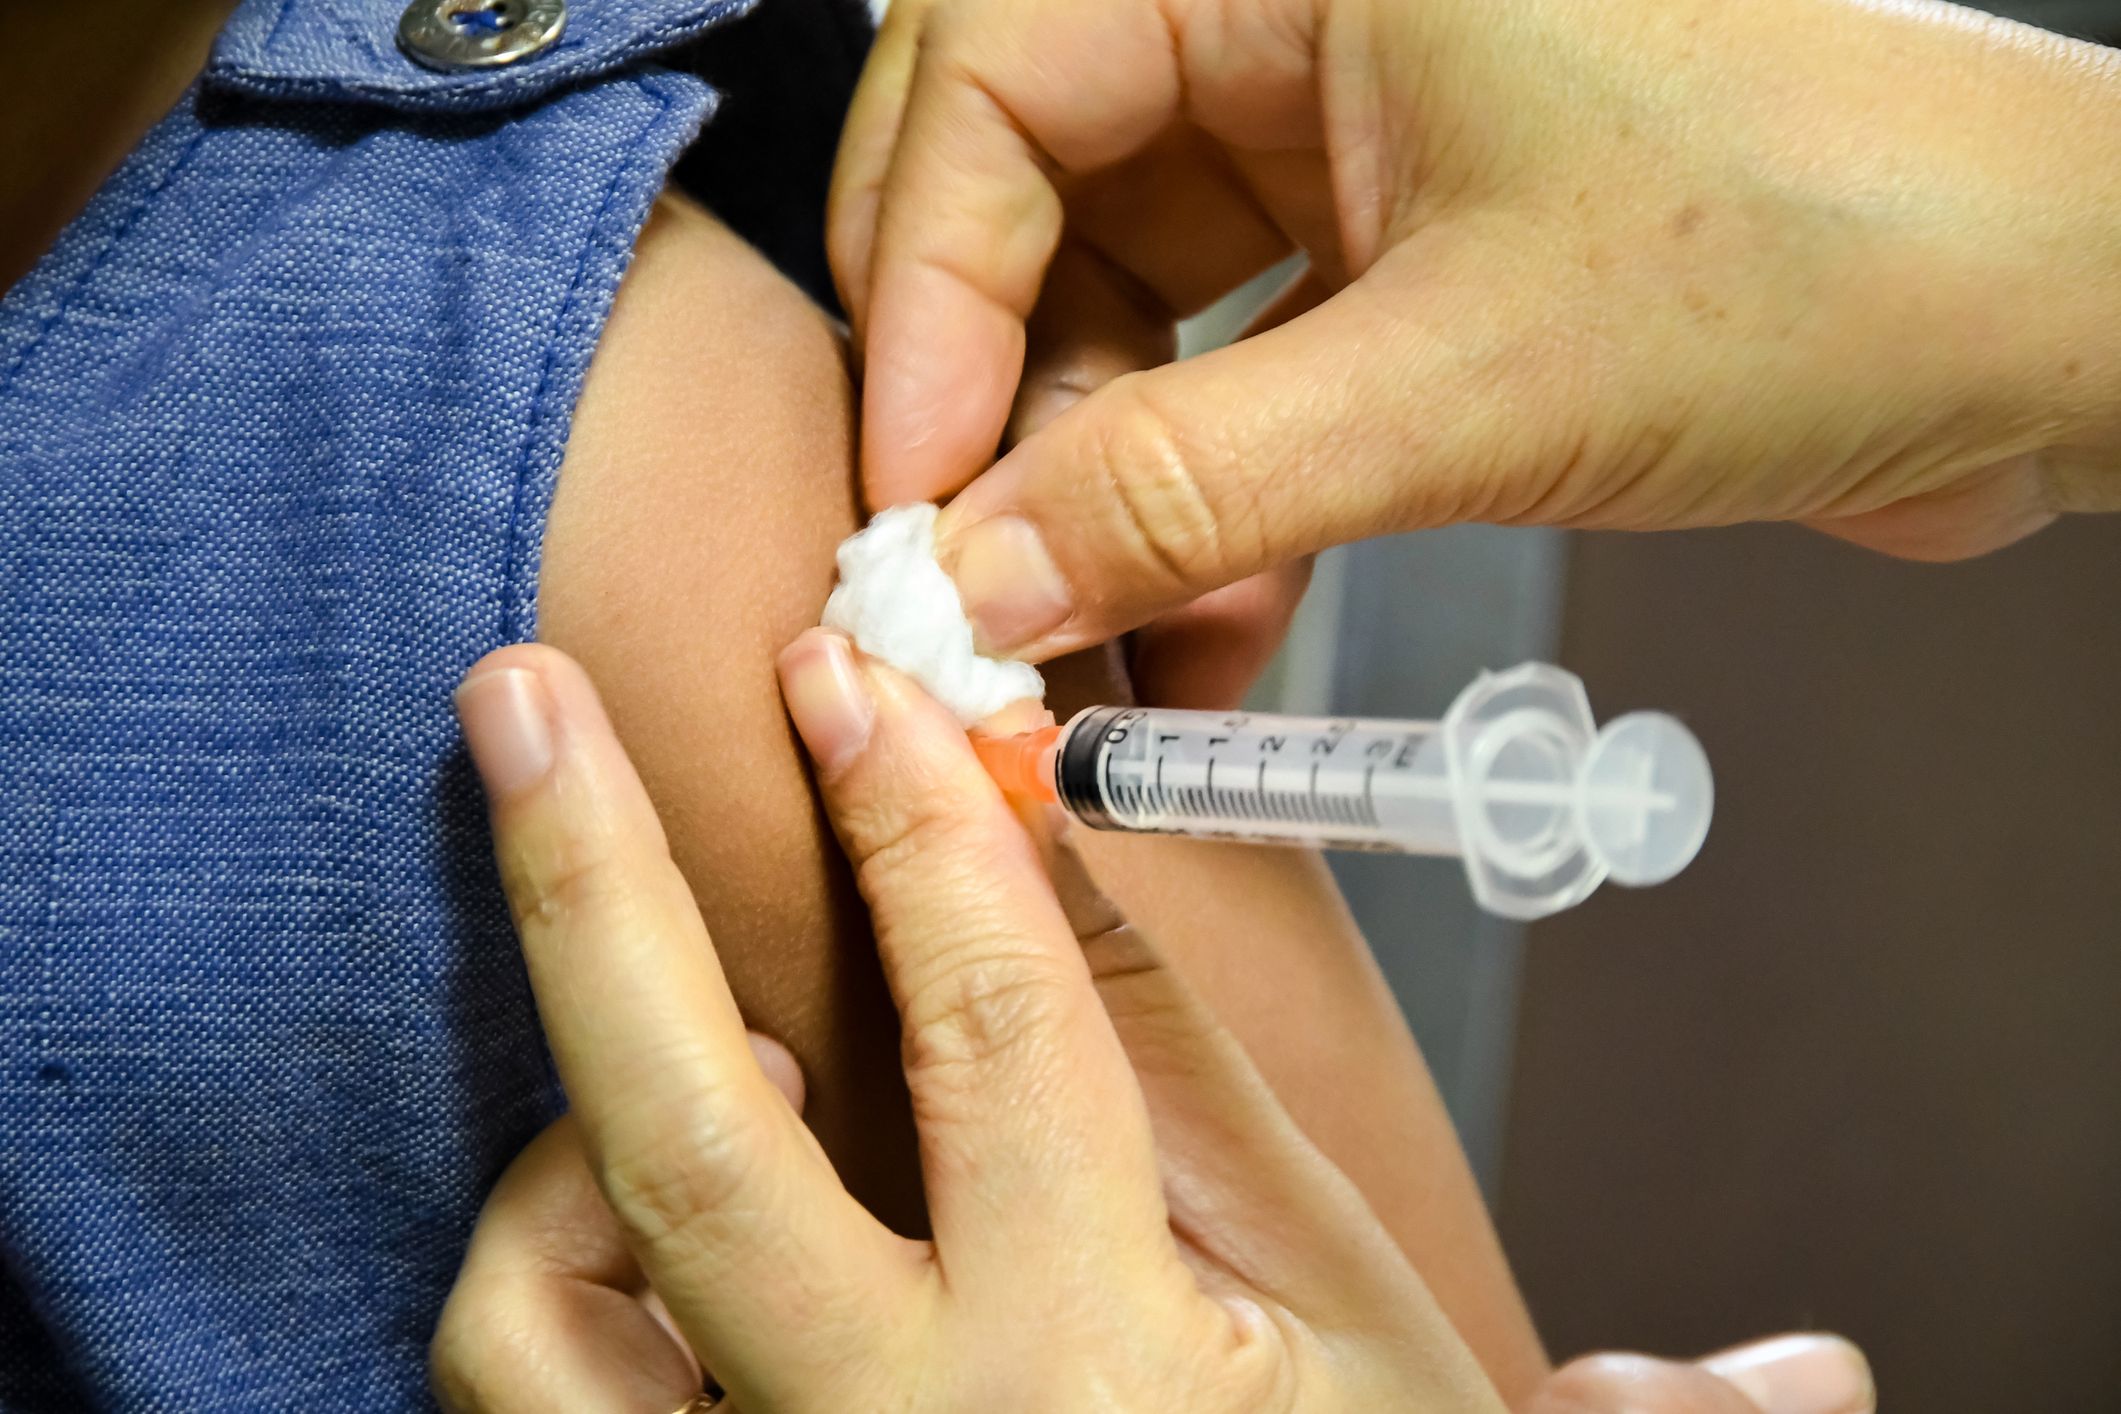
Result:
{"points": [[272, 36], [501, 88], [518, 610], [120, 229]]}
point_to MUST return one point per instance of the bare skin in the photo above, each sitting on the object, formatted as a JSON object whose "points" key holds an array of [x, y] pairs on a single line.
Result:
{"points": [[719, 399], [1632, 265]]}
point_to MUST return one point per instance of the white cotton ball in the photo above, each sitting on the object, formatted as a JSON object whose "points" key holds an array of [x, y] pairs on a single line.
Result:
{"points": [[896, 603]]}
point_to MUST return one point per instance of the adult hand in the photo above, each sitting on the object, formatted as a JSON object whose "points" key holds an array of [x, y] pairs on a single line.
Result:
{"points": [[550, 1313], [1123, 1215], [1643, 264]]}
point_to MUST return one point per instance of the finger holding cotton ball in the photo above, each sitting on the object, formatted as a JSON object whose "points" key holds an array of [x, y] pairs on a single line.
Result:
{"points": [[895, 602]]}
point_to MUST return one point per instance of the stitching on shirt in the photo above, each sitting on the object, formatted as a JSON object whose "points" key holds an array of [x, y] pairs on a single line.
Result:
{"points": [[590, 242], [474, 90], [272, 36], [272, 220], [119, 232], [41, 1046], [349, 31]]}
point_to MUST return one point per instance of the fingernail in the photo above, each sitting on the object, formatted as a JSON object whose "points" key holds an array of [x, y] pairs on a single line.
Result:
{"points": [[827, 697], [1011, 589], [508, 726], [1799, 1374], [780, 1067]]}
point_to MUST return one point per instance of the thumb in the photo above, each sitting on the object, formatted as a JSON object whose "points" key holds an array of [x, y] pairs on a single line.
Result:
{"points": [[1799, 1374], [1352, 420], [1790, 1374]]}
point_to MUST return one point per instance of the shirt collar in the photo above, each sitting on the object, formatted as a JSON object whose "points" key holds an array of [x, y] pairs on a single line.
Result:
{"points": [[346, 50]]}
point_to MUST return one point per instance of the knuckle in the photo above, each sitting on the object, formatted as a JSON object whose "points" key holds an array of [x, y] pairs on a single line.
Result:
{"points": [[975, 986], [480, 1345], [562, 879], [976, 1012], [671, 1170], [906, 835], [995, 240], [1173, 488]]}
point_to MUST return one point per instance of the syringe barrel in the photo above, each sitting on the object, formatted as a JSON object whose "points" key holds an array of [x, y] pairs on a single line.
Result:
{"points": [[1338, 783], [1515, 780]]}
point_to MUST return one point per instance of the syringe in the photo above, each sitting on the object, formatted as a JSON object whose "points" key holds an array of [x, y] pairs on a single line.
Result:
{"points": [[1515, 780]]}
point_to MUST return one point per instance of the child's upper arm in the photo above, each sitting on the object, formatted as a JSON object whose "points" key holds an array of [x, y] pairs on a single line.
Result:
{"points": [[707, 481]]}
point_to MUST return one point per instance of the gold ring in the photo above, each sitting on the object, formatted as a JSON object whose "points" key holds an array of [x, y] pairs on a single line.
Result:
{"points": [[698, 1404]]}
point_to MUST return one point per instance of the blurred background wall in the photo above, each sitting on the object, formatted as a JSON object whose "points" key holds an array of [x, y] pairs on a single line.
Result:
{"points": [[1860, 1068]]}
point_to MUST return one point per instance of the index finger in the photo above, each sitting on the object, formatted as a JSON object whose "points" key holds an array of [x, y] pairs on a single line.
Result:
{"points": [[1005, 97], [1002, 98], [864, 157], [736, 1217], [1034, 1136]]}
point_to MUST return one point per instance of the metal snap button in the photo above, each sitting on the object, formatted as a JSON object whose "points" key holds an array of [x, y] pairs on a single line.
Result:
{"points": [[478, 34]]}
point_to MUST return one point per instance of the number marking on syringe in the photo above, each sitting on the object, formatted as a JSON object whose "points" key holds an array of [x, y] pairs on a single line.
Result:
{"points": [[1105, 766]]}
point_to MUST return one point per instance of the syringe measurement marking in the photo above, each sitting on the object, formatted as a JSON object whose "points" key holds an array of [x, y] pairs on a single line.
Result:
{"points": [[1257, 804], [1317, 805]]}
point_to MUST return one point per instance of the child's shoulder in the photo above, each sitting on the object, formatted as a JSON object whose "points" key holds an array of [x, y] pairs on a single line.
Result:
{"points": [[709, 472], [709, 477]]}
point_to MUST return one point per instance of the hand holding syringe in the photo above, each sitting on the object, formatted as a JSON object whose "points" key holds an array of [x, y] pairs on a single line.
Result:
{"points": [[1515, 780]]}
